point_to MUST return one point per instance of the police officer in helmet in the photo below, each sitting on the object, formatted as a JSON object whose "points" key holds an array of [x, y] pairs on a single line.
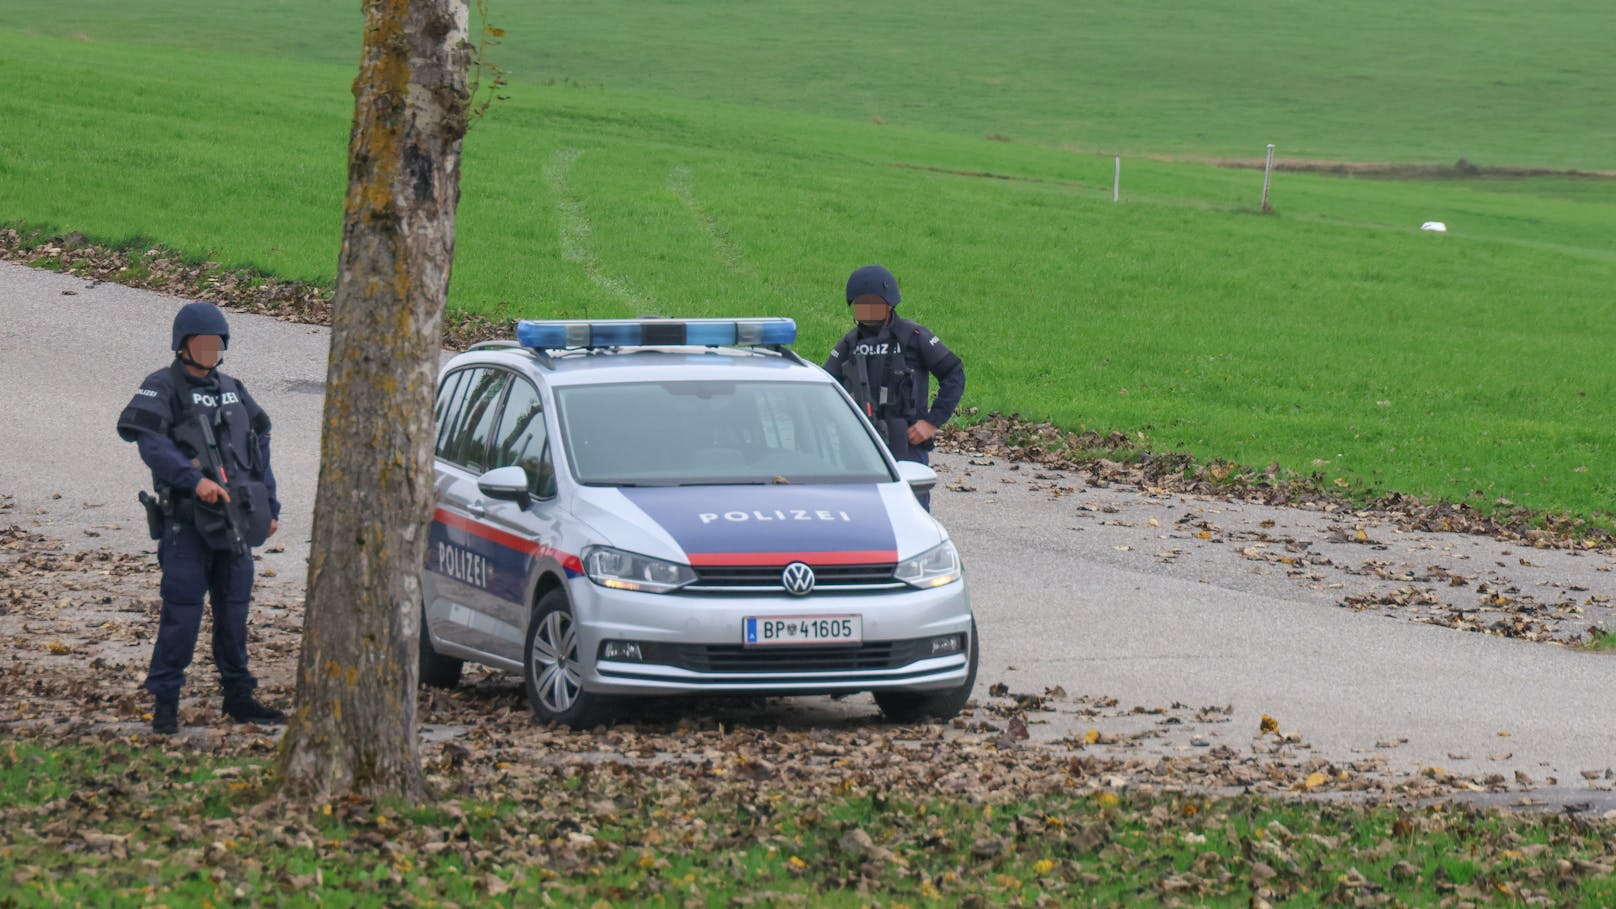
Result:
{"points": [[886, 363], [207, 444]]}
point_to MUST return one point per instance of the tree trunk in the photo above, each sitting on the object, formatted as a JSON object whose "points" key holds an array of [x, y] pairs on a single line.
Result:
{"points": [[353, 728]]}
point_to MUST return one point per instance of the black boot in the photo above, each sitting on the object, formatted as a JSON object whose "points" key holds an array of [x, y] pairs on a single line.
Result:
{"points": [[166, 718], [242, 707]]}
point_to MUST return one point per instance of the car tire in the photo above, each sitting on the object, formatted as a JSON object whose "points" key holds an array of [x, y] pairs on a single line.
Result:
{"points": [[901, 706], [437, 670], [551, 671]]}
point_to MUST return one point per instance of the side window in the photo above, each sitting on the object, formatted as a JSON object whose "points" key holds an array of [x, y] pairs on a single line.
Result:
{"points": [[448, 406], [522, 440], [467, 443]]}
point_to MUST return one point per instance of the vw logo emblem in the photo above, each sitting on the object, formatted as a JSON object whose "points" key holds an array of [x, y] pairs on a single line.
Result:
{"points": [[798, 579]]}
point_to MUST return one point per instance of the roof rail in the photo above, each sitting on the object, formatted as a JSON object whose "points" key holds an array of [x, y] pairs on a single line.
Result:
{"points": [[497, 343]]}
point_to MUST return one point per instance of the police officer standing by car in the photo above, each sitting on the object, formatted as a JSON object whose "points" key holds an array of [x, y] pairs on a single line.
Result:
{"points": [[886, 363], [207, 444]]}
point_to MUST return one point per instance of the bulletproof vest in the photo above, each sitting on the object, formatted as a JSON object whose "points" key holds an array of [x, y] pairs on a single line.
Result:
{"points": [[879, 376], [168, 407], [220, 403], [882, 382], [163, 406]]}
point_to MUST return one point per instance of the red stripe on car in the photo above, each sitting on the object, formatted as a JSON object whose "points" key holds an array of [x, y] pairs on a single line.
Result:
{"points": [[509, 540]]}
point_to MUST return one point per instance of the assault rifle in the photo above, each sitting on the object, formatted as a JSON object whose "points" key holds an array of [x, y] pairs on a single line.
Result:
{"points": [[854, 370], [212, 462], [884, 414]]}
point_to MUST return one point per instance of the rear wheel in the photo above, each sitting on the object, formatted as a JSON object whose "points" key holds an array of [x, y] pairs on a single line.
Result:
{"points": [[554, 672], [437, 670], [918, 706]]}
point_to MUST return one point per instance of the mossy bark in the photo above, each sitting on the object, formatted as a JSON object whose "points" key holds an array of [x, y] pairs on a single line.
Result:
{"points": [[353, 728]]}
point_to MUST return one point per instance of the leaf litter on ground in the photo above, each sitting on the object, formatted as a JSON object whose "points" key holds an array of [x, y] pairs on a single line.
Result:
{"points": [[738, 798]]}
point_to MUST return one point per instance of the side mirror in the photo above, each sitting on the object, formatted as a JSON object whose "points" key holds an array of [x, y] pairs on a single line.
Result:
{"points": [[507, 483], [919, 477]]}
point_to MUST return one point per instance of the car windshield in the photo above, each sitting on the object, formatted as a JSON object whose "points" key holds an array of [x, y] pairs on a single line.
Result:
{"points": [[713, 433]]}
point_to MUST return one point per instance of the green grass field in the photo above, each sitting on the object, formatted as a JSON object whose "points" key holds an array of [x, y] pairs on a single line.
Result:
{"points": [[703, 159], [1496, 81]]}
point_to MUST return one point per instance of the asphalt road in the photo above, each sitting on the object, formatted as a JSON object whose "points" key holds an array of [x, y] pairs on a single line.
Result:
{"points": [[1103, 592]]}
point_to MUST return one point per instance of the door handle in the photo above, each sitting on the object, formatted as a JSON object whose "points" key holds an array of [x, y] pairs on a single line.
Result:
{"points": [[477, 510]]}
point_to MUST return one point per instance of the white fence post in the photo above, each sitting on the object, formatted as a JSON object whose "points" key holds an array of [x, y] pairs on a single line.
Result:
{"points": [[1116, 181], [1267, 177]]}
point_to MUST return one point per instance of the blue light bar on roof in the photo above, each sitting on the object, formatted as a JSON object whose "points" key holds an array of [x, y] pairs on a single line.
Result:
{"points": [[570, 333]]}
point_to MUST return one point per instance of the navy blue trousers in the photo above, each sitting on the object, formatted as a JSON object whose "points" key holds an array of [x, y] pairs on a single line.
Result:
{"points": [[191, 571]]}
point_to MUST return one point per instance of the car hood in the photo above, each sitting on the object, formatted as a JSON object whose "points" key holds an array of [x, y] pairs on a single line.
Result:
{"points": [[843, 524]]}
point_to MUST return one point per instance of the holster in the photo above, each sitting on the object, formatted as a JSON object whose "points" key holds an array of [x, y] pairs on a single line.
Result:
{"points": [[155, 512]]}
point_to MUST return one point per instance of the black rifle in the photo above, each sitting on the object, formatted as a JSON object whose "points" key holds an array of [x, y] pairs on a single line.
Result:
{"points": [[212, 462], [854, 371]]}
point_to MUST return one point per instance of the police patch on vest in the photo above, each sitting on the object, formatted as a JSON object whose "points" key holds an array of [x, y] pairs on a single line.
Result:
{"points": [[207, 400]]}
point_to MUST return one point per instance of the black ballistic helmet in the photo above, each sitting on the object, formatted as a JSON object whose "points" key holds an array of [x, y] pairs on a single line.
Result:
{"points": [[200, 319], [873, 279]]}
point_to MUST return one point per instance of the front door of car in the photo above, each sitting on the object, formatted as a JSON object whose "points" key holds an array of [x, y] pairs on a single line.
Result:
{"points": [[521, 440], [466, 558]]}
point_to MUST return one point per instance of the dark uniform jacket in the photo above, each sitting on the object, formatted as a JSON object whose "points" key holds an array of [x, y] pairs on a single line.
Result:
{"points": [[155, 419], [888, 373]]}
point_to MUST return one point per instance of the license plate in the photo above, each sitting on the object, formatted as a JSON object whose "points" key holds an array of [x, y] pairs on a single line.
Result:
{"points": [[774, 630]]}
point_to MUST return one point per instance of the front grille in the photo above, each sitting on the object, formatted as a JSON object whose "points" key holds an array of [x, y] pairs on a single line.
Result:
{"points": [[753, 578], [735, 658]]}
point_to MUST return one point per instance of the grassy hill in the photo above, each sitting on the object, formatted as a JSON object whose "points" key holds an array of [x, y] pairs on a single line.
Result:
{"points": [[706, 158], [1495, 81]]}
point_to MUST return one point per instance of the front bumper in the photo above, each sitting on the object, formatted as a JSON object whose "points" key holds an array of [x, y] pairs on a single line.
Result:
{"points": [[695, 642]]}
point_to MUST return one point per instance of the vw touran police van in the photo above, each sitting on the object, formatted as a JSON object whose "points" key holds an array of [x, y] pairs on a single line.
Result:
{"points": [[638, 508]]}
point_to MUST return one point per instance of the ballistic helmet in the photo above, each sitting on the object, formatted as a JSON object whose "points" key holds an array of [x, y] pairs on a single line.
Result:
{"points": [[873, 279], [200, 319]]}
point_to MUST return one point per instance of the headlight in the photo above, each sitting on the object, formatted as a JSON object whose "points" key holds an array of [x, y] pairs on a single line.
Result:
{"points": [[627, 571], [933, 568]]}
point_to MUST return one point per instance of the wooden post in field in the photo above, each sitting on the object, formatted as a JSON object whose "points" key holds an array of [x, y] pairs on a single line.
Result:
{"points": [[1267, 177], [1116, 181]]}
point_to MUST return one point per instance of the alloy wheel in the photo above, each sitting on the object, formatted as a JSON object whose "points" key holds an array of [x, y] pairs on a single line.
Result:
{"points": [[553, 662]]}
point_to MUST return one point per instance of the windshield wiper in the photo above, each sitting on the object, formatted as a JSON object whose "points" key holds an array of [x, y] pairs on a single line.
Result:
{"points": [[772, 481]]}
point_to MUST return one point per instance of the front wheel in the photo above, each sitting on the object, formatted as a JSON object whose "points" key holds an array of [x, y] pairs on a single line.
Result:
{"points": [[553, 671], [918, 706]]}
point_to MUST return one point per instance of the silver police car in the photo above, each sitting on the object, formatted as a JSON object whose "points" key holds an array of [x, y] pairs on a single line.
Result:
{"points": [[634, 508]]}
